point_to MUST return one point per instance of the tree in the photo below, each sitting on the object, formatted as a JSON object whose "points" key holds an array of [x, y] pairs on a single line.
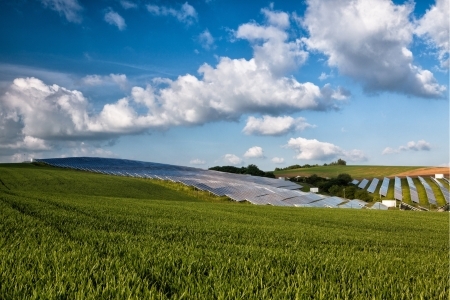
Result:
{"points": [[344, 178]]}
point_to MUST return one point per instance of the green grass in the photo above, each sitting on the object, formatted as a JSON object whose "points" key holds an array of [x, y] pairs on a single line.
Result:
{"points": [[75, 235], [405, 191], [358, 172]]}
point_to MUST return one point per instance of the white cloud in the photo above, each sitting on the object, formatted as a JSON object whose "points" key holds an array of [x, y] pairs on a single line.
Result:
{"points": [[368, 41], [128, 4], [119, 79], [272, 49], [316, 150], [70, 9], [420, 145], [254, 152], [186, 14], [278, 160], [197, 162], [93, 80], [276, 18], [232, 88], [274, 126], [113, 18], [206, 40], [434, 27], [324, 76], [232, 159]]}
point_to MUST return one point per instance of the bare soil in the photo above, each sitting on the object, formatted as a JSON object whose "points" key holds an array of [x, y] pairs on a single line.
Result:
{"points": [[429, 171]]}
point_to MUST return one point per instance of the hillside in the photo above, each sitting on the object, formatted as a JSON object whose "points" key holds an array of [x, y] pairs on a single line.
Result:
{"points": [[72, 234], [360, 172]]}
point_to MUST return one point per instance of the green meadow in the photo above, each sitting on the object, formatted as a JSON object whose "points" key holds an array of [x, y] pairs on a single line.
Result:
{"points": [[67, 234]]}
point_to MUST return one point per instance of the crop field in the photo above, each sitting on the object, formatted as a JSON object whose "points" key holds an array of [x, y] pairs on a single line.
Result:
{"points": [[67, 234], [358, 172]]}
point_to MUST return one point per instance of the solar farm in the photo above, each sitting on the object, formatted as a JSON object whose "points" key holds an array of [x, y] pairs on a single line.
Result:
{"points": [[85, 228], [428, 199], [253, 189]]}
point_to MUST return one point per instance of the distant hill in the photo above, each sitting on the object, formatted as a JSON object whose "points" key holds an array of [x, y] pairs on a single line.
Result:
{"points": [[360, 172]]}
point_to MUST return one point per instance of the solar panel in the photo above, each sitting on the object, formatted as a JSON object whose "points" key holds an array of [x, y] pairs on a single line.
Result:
{"points": [[363, 183], [379, 205], [412, 190], [384, 187], [238, 187], [443, 189], [355, 204], [428, 190], [373, 185], [355, 181], [398, 195]]}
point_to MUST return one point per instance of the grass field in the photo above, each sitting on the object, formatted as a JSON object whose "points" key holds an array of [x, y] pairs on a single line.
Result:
{"points": [[358, 172], [68, 234]]}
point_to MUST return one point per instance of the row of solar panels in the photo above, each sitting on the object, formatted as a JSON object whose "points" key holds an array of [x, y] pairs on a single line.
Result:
{"points": [[398, 194], [257, 190]]}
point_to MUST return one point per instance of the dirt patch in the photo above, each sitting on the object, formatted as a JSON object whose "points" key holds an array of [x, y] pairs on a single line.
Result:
{"points": [[425, 172]]}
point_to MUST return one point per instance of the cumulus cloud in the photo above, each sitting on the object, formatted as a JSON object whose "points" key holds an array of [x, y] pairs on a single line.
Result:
{"points": [[113, 18], [197, 162], [186, 14], [278, 160], [434, 27], [93, 80], [226, 91], [254, 152], [275, 126], [206, 40], [128, 4], [316, 150], [232, 159], [272, 48], [368, 41], [420, 145], [70, 9]]}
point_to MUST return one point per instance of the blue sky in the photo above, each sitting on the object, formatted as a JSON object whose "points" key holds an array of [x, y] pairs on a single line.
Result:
{"points": [[206, 83]]}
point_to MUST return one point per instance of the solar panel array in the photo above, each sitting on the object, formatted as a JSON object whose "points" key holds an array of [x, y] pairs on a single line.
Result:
{"points": [[373, 185], [398, 195], [355, 204], [412, 190], [379, 205], [363, 183], [238, 187], [428, 190], [443, 189], [384, 187], [355, 181]]}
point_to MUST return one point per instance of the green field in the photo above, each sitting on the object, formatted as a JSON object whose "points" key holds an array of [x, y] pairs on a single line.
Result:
{"points": [[358, 172], [68, 234]]}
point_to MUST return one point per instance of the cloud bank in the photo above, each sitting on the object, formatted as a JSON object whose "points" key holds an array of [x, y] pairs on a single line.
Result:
{"points": [[368, 41], [316, 150], [420, 145]]}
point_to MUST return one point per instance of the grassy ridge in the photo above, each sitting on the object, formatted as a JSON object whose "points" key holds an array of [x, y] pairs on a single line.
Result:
{"points": [[358, 172], [70, 234]]}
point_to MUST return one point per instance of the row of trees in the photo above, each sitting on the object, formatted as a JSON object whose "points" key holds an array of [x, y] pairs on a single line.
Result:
{"points": [[250, 169], [339, 162], [340, 186]]}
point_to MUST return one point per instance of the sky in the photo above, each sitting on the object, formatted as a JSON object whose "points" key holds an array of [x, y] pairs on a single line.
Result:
{"points": [[208, 83]]}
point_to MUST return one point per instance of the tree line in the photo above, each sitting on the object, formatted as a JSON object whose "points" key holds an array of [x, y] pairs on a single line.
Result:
{"points": [[250, 170], [339, 162]]}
